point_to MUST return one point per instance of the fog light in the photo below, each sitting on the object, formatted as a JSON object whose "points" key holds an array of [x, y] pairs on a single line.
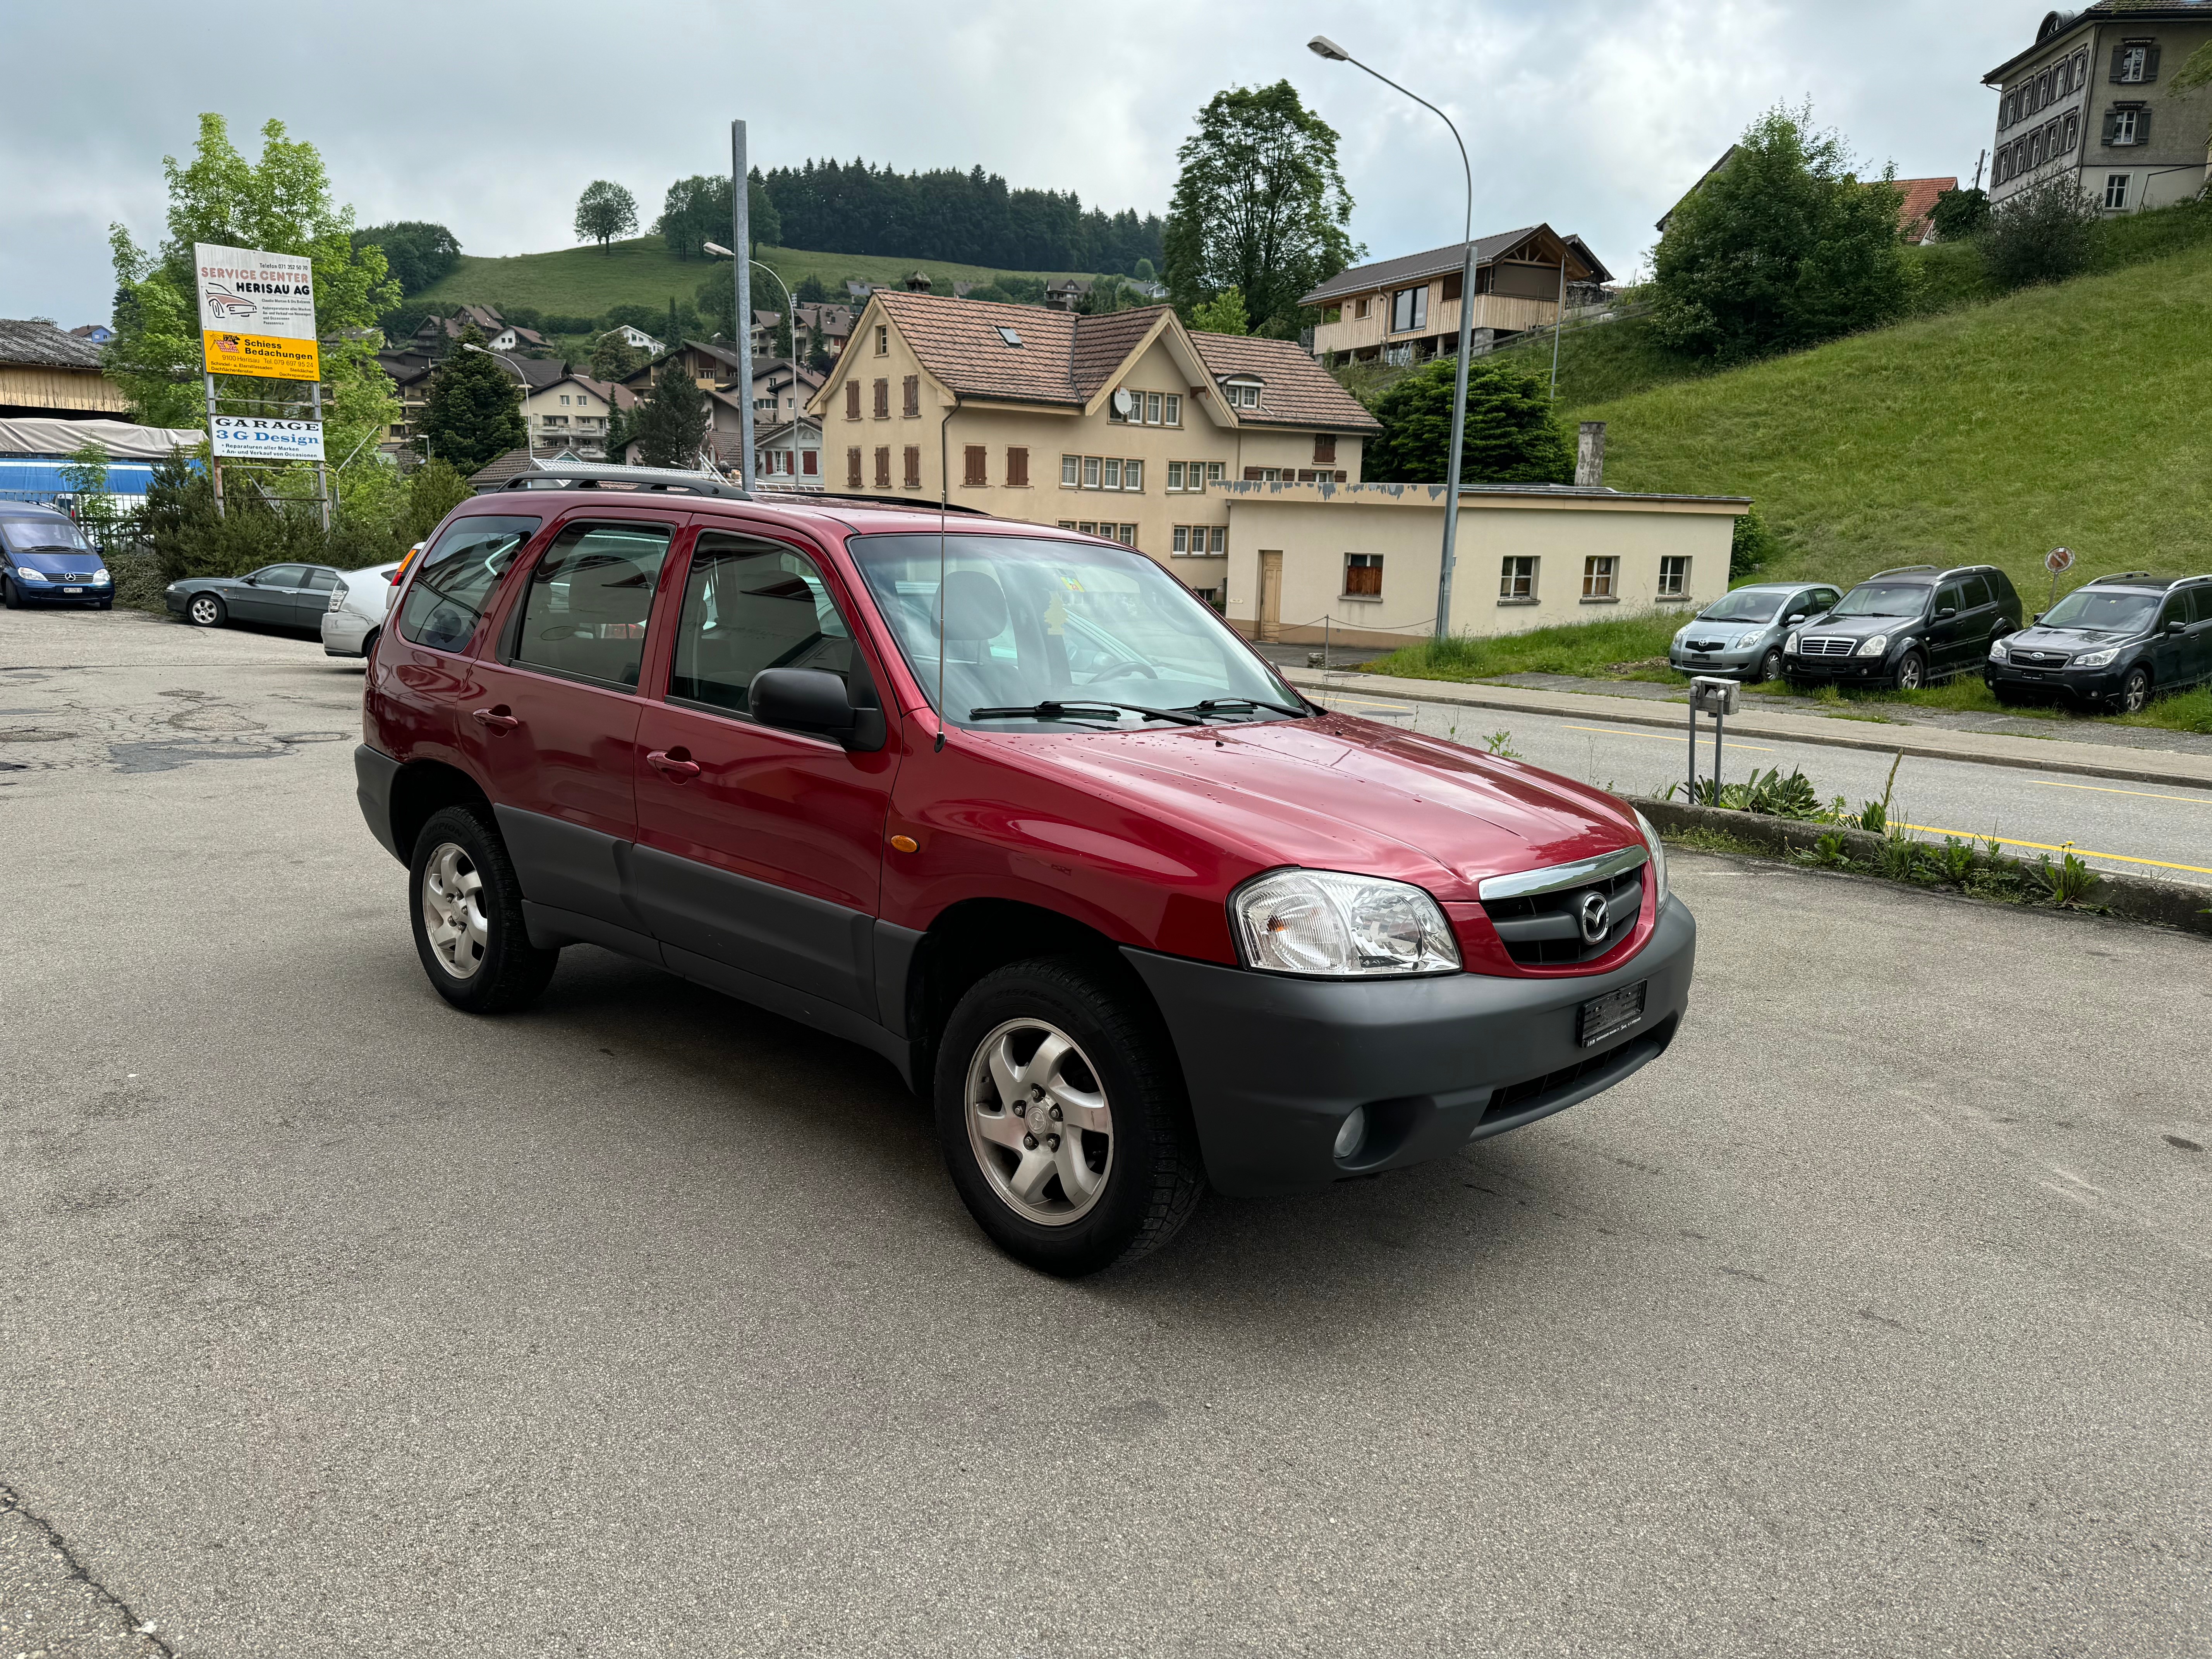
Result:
{"points": [[1353, 1134]]}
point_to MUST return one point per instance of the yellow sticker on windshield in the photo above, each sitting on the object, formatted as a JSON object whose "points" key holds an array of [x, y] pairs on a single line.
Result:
{"points": [[1055, 616]]}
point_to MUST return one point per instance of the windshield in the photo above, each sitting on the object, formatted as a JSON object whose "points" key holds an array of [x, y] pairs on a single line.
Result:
{"points": [[1743, 606], [2102, 612], [1033, 622], [41, 536], [1883, 599]]}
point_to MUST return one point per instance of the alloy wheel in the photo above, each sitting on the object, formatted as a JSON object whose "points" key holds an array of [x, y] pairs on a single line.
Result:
{"points": [[1038, 1121], [452, 911], [2135, 692], [204, 610], [1908, 674]]}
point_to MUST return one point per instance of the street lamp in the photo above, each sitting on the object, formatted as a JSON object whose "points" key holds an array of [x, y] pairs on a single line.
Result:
{"points": [[791, 315], [1322, 47], [528, 445]]}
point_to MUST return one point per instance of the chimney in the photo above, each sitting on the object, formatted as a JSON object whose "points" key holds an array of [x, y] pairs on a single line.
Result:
{"points": [[1589, 456]]}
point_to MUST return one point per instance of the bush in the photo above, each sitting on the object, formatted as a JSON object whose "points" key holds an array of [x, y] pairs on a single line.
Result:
{"points": [[2043, 233], [1960, 213], [1751, 544], [1513, 434]]}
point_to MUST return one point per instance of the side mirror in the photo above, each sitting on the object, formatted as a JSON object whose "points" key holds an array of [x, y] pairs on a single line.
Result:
{"points": [[2036, 618], [1796, 618], [1946, 613], [2177, 626], [814, 701]]}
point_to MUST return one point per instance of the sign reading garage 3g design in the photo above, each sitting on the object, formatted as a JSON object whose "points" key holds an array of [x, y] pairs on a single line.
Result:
{"points": [[237, 437], [257, 312]]}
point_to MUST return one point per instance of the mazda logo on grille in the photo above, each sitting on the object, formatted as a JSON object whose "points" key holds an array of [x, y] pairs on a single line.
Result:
{"points": [[1592, 915]]}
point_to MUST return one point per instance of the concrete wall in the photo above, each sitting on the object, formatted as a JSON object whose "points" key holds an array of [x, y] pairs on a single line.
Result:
{"points": [[1314, 529]]}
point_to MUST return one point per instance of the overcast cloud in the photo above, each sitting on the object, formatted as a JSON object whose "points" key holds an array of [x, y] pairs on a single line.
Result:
{"points": [[490, 120]]}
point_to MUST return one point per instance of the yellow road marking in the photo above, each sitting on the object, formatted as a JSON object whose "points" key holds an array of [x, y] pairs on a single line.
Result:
{"points": [[2045, 847], [1663, 737], [2186, 801]]}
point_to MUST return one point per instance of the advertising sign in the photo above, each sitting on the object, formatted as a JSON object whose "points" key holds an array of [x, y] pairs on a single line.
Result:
{"points": [[241, 437], [257, 312]]}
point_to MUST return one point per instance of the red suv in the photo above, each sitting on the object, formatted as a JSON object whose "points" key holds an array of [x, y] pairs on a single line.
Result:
{"points": [[1134, 913]]}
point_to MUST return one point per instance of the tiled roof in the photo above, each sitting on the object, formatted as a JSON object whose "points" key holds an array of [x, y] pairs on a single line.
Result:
{"points": [[1436, 262], [495, 473], [1102, 344], [1919, 202], [1294, 389], [37, 344], [2059, 25]]}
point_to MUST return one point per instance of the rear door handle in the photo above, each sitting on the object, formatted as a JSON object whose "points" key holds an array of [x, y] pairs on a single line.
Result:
{"points": [[497, 720], [673, 766]]}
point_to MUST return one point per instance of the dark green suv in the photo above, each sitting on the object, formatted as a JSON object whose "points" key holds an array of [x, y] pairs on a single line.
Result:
{"points": [[2112, 643]]}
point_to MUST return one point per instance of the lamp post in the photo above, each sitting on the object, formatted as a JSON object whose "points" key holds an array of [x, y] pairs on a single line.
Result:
{"points": [[529, 447], [1322, 47], [791, 315]]}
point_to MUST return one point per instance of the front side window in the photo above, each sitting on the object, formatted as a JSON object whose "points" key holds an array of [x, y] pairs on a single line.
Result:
{"points": [[1674, 577], [1027, 621], [584, 608], [750, 604], [447, 597], [1598, 574]]}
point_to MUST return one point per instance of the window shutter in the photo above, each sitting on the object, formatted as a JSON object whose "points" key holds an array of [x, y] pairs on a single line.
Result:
{"points": [[2150, 65], [2118, 53], [2111, 125], [914, 467], [1252, 475], [2143, 125], [853, 469], [975, 455], [1324, 448], [882, 466], [1017, 468]]}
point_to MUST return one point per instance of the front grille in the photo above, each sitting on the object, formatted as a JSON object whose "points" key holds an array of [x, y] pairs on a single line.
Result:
{"points": [[2038, 659], [1545, 929], [1708, 644], [1826, 647]]}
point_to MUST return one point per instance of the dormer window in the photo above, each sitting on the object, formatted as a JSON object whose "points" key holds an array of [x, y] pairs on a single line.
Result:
{"points": [[1241, 394]]}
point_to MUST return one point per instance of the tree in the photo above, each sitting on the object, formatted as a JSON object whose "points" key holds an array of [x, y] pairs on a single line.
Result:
{"points": [[810, 291], [604, 212], [473, 414], [613, 357], [1260, 206], [696, 211], [2044, 233], [418, 254], [1223, 314], [1784, 247], [281, 204], [2196, 72], [1958, 214], [85, 472], [1144, 273], [671, 426], [1513, 437], [435, 489]]}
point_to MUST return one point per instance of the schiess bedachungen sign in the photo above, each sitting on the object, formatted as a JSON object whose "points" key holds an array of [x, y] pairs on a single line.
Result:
{"points": [[257, 312]]}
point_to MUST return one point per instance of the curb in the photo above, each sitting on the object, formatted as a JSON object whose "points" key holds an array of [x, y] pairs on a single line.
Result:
{"points": [[2075, 759], [2132, 898]]}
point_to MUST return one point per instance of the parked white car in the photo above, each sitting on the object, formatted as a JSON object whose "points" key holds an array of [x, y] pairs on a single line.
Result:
{"points": [[356, 613]]}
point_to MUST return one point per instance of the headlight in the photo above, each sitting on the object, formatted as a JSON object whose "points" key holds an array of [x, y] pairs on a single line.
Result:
{"points": [[1791, 647], [26, 575], [1324, 922], [1745, 641], [101, 579], [1875, 646], [1658, 855], [1997, 651], [2096, 658]]}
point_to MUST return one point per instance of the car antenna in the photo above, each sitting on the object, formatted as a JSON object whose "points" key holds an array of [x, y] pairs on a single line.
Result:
{"points": [[944, 500]]}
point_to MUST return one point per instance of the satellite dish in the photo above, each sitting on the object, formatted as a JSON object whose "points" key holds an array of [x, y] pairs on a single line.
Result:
{"points": [[1124, 403]]}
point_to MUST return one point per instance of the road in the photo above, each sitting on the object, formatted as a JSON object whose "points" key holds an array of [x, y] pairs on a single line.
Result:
{"points": [[2143, 828], [333, 1322]]}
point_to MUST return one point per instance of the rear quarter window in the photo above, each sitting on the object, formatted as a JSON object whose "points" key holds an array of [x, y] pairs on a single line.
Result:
{"points": [[457, 577]]}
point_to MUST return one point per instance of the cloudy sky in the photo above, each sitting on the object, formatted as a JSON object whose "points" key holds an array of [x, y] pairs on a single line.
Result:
{"points": [[1591, 114]]}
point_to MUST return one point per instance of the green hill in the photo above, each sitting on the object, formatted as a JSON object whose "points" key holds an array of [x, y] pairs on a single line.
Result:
{"points": [[582, 282]]}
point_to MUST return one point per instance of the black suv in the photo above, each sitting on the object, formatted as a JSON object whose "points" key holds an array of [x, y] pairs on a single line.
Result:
{"points": [[1904, 628], [2110, 644]]}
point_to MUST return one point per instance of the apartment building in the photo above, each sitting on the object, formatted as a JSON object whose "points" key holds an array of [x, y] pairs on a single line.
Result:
{"points": [[2089, 101], [1123, 425], [1406, 310], [571, 413]]}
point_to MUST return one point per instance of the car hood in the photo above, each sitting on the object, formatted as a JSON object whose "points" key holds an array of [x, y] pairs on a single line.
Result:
{"points": [[1860, 628], [1336, 794], [2065, 639], [50, 563]]}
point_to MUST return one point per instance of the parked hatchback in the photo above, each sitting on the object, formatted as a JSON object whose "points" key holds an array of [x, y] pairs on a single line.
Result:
{"points": [[1740, 634], [45, 560], [2110, 644], [1905, 629], [1014, 809]]}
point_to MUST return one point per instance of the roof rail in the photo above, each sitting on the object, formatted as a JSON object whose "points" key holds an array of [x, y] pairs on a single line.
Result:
{"points": [[1904, 570], [2123, 576], [644, 478], [907, 502]]}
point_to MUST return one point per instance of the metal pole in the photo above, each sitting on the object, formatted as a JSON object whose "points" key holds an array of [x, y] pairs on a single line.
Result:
{"points": [[741, 245], [1558, 321], [1720, 719], [322, 472], [791, 320], [1693, 745], [214, 465]]}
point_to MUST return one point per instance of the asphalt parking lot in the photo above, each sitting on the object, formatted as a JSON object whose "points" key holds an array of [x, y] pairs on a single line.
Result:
{"points": [[1869, 1320]]}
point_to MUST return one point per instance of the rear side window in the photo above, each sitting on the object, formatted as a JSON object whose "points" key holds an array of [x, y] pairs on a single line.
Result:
{"points": [[450, 592], [2201, 604], [320, 581], [1977, 590], [751, 604], [584, 611]]}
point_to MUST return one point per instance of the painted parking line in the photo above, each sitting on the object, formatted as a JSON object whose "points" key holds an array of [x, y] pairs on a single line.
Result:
{"points": [[2045, 847], [1663, 737], [2144, 794]]}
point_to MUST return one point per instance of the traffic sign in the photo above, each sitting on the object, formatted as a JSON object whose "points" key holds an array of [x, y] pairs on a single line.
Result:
{"points": [[2058, 559]]}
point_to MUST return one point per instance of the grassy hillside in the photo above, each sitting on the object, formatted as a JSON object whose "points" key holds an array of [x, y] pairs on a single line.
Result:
{"points": [[2073, 415], [582, 282]]}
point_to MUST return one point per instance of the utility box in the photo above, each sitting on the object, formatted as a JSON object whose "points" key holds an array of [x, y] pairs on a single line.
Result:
{"points": [[1712, 695]]}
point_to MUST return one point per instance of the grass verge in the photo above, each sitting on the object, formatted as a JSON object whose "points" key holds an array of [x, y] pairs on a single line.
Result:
{"points": [[1622, 647]]}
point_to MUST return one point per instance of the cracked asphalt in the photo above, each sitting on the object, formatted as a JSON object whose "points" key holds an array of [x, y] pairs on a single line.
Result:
{"points": [[1871, 1320]]}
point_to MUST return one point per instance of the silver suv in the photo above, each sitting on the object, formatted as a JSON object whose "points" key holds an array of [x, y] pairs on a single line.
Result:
{"points": [[1741, 633]]}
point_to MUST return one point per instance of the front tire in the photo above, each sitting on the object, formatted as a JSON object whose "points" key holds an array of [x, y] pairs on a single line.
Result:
{"points": [[8, 594], [1911, 672], [206, 610], [1062, 1117], [466, 906], [105, 604], [1769, 666], [2135, 691]]}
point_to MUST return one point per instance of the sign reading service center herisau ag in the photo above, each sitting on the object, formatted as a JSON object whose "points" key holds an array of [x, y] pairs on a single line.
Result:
{"points": [[257, 312]]}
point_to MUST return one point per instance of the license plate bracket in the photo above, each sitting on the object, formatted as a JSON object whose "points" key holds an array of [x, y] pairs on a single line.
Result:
{"points": [[1610, 1015]]}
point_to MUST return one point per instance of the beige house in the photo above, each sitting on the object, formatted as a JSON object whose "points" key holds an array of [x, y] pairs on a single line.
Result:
{"points": [[1125, 425], [1359, 563], [1406, 310], [571, 413]]}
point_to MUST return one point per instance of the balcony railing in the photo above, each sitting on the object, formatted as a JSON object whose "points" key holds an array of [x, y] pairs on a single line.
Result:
{"points": [[1499, 310]]}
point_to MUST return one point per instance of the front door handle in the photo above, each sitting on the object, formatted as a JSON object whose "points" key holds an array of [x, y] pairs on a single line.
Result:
{"points": [[672, 765], [497, 719]]}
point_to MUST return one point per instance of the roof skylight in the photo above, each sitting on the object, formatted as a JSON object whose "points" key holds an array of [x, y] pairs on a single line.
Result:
{"points": [[1009, 336]]}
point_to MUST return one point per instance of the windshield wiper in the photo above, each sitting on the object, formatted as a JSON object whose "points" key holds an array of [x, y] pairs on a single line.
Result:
{"points": [[1221, 704], [1083, 710]]}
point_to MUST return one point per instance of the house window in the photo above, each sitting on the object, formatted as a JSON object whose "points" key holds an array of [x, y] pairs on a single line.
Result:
{"points": [[1111, 470], [1070, 470], [1090, 473], [1241, 394], [1087, 528], [1324, 449], [1127, 535], [1516, 579], [1171, 409], [1151, 408], [1673, 576], [1133, 475], [912, 395], [1359, 308], [882, 466], [1597, 577], [2129, 125], [1017, 469], [882, 400], [1068, 524], [1174, 477], [1214, 471], [853, 468], [883, 340], [1220, 533], [2116, 192], [2072, 134], [1116, 415], [1181, 542], [852, 400], [2132, 63], [1363, 576], [975, 474], [1409, 309]]}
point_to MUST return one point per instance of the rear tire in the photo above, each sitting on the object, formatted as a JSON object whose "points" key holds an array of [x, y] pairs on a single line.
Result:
{"points": [[206, 610], [1115, 1172], [369, 645], [466, 906]]}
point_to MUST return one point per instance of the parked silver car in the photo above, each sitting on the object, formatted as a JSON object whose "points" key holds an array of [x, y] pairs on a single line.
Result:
{"points": [[1739, 634], [355, 615]]}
